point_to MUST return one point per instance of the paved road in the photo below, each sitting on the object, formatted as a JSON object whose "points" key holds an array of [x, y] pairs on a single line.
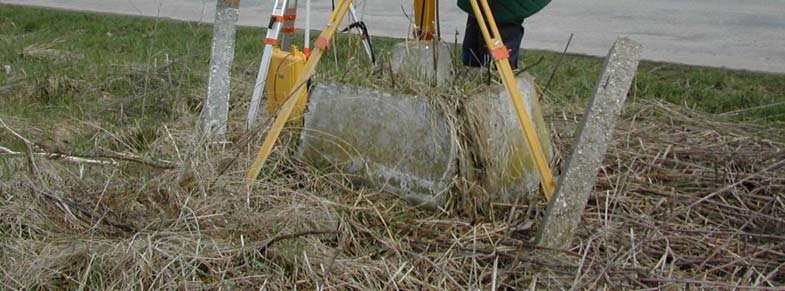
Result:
{"points": [[747, 34]]}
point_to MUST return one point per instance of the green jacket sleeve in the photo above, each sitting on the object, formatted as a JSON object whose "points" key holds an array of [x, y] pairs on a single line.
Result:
{"points": [[509, 11]]}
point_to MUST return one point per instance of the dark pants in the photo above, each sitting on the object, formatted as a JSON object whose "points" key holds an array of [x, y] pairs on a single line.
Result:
{"points": [[475, 53]]}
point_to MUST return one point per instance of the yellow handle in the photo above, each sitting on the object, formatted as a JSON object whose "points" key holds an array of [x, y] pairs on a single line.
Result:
{"points": [[495, 44]]}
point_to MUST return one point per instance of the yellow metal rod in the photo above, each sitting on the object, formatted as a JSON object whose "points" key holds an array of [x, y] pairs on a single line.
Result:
{"points": [[491, 20], [489, 40], [508, 78], [293, 97], [425, 19]]}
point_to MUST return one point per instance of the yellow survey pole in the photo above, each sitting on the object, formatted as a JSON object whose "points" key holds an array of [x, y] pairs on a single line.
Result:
{"points": [[425, 19], [295, 96], [501, 56]]}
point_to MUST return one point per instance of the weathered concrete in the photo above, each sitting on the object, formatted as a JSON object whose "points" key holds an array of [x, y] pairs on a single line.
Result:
{"points": [[407, 146], [506, 170], [577, 182], [398, 142], [423, 59], [216, 107]]}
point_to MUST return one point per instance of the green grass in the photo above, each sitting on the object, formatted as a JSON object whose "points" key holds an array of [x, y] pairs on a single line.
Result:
{"points": [[129, 70], [708, 89]]}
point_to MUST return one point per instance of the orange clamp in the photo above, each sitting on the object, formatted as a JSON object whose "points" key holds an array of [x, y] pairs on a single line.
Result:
{"points": [[271, 41], [322, 43], [287, 29], [500, 53]]}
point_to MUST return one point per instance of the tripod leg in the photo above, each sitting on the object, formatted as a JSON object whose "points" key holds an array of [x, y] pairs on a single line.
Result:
{"points": [[500, 55], [365, 37], [290, 15], [271, 40]]}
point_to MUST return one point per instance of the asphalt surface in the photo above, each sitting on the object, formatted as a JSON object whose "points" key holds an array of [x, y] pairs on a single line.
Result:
{"points": [[748, 35]]}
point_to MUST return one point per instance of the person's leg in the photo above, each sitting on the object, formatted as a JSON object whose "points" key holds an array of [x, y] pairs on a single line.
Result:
{"points": [[474, 51], [512, 36]]}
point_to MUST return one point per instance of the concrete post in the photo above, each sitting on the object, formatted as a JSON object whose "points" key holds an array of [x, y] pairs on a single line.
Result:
{"points": [[565, 211], [216, 107]]}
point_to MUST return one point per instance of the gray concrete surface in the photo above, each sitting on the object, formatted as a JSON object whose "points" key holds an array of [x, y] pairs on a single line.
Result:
{"points": [[747, 34], [215, 113], [588, 151], [409, 147], [499, 145], [396, 142], [423, 59]]}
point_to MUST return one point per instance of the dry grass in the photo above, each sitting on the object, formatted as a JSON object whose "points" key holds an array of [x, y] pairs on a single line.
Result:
{"points": [[683, 200]]}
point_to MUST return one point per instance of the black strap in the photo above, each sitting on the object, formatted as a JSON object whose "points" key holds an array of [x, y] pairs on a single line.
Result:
{"points": [[365, 36]]}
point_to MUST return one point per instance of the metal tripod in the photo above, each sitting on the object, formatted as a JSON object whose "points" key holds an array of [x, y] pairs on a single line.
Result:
{"points": [[282, 20]]}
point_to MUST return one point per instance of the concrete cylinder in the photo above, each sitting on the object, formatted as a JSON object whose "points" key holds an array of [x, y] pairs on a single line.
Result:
{"points": [[405, 145]]}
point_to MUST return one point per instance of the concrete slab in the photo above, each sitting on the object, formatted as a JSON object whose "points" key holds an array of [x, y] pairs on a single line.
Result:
{"points": [[396, 142], [405, 145], [422, 59], [506, 170], [579, 177]]}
